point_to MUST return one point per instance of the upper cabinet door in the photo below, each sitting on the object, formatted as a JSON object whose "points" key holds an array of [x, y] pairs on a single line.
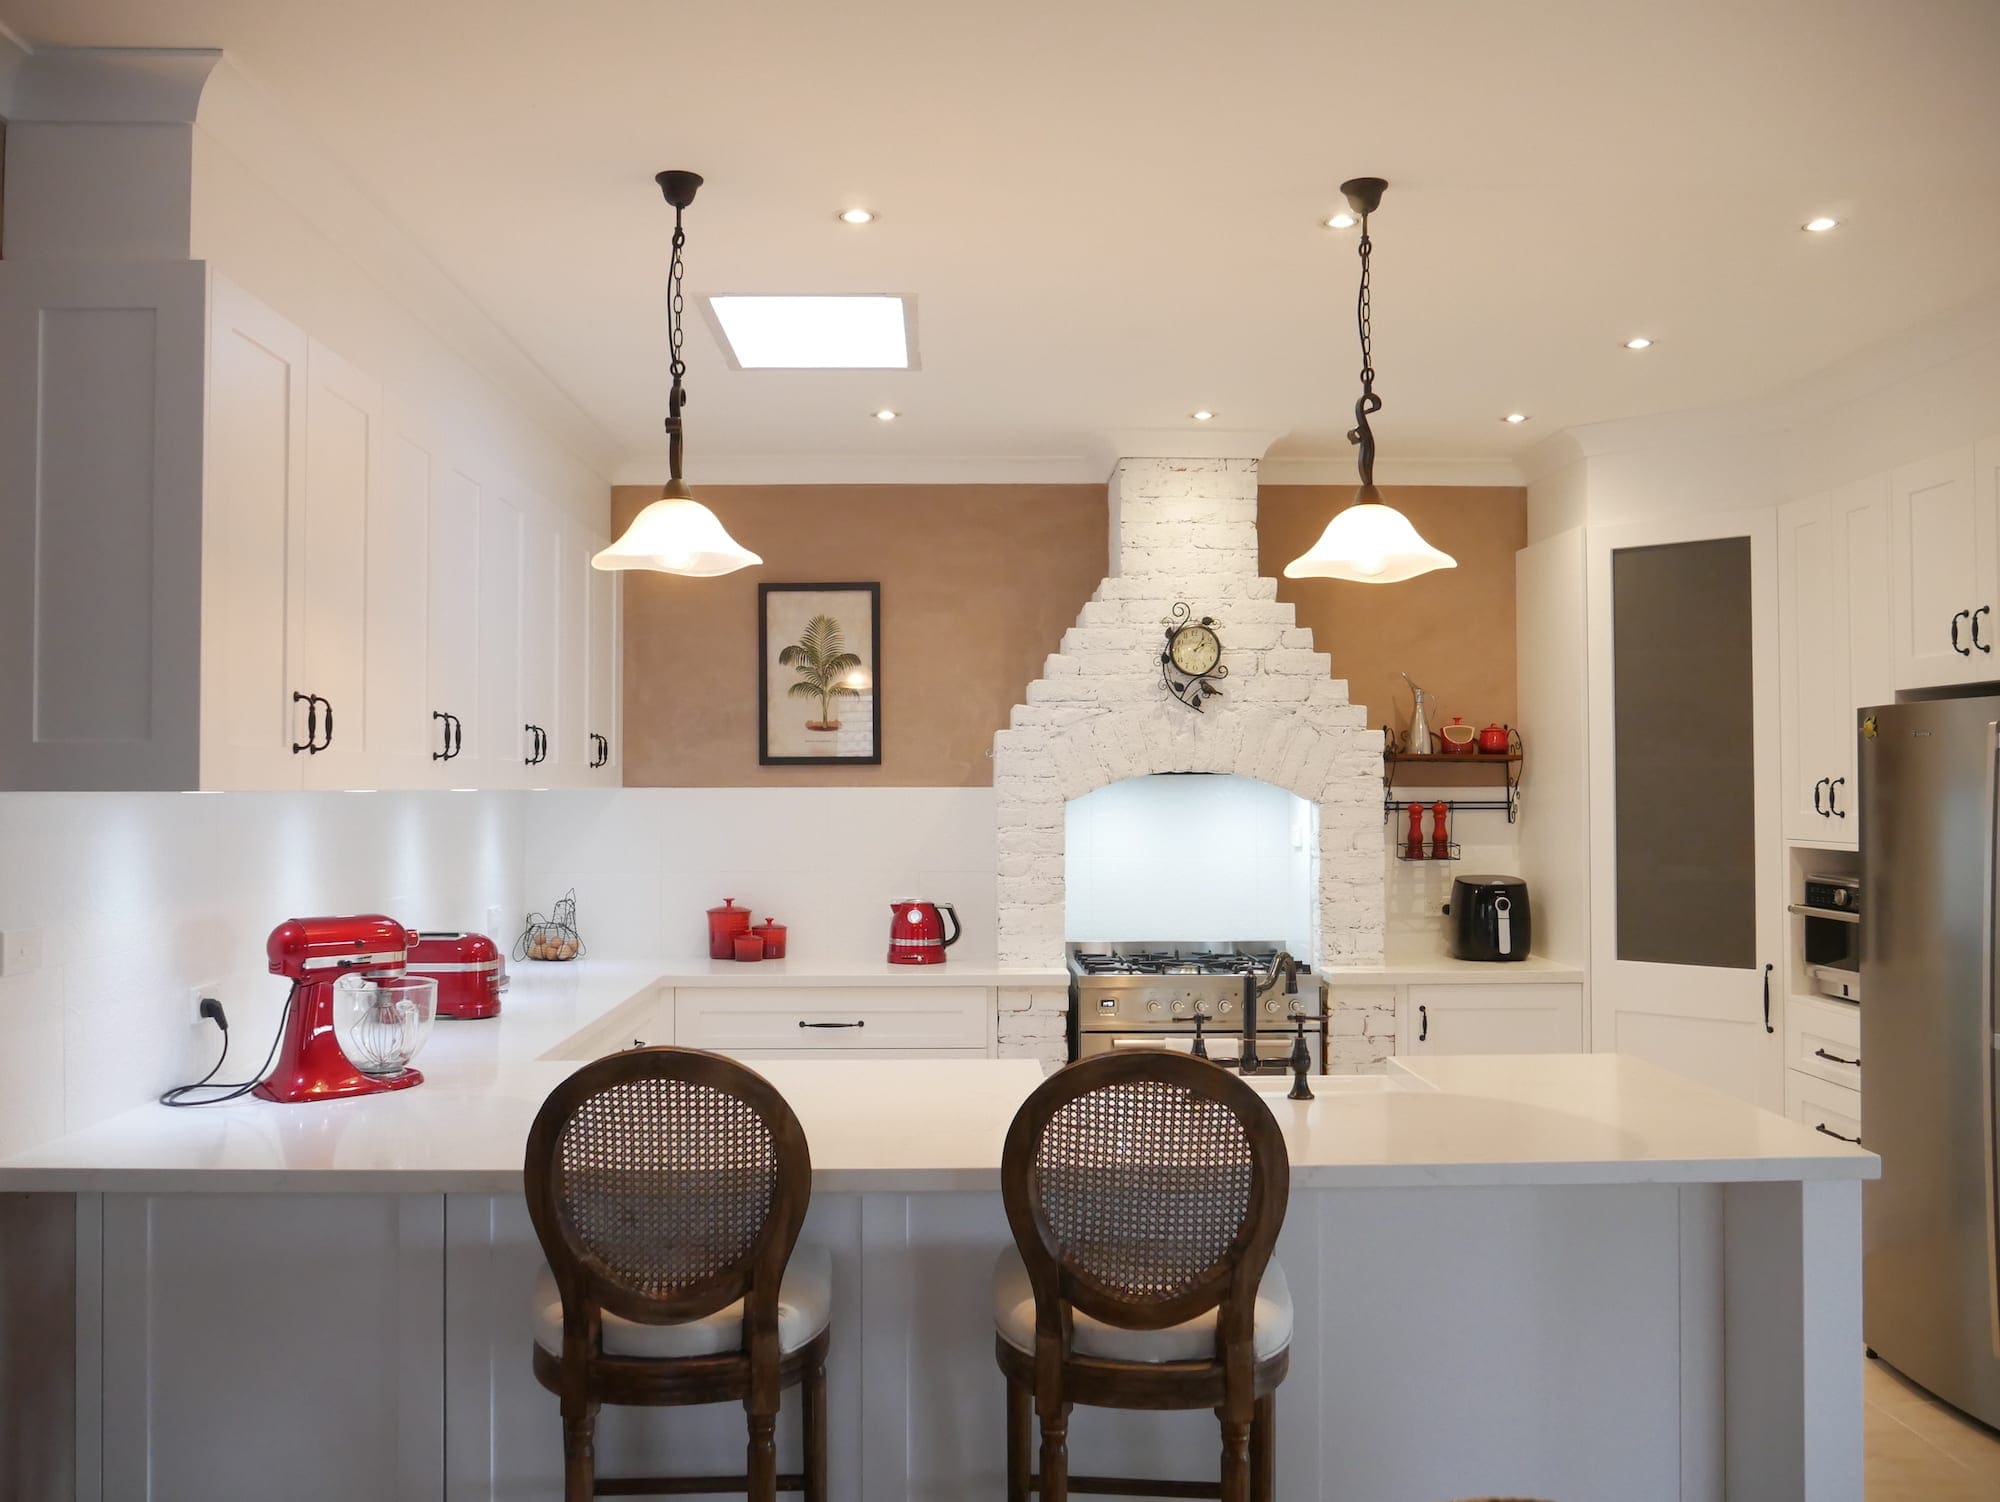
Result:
{"points": [[253, 733], [1861, 517], [344, 433], [1812, 648], [601, 711], [452, 607], [495, 743], [540, 633], [574, 750], [398, 691], [1944, 551]]}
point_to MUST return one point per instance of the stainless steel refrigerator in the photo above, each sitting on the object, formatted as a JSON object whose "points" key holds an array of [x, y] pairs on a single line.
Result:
{"points": [[1931, 1302]]}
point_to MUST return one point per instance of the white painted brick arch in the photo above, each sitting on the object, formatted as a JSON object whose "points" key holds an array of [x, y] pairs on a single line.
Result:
{"points": [[1183, 530]]}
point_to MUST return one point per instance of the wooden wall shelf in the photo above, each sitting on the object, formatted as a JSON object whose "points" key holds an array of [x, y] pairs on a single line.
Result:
{"points": [[1510, 773]]}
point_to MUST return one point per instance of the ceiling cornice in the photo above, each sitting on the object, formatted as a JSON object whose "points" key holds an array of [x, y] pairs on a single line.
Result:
{"points": [[14, 56], [1392, 472], [107, 85], [856, 469]]}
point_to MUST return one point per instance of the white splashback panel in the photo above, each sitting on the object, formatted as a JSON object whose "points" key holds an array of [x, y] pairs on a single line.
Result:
{"points": [[141, 896], [1190, 857]]}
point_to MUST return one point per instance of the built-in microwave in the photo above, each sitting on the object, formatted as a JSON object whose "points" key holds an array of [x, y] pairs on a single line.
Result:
{"points": [[1832, 913]]}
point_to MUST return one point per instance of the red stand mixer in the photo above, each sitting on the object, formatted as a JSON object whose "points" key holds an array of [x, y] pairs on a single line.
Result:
{"points": [[916, 932], [313, 953]]}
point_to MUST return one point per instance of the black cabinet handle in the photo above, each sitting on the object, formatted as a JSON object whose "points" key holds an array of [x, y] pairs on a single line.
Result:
{"points": [[1962, 651], [1767, 1000], [541, 745], [1423, 1024], [1982, 610], [534, 756], [804, 1023], [1834, 1058], [1820, 1126], [457, 735], [311, 743], [445, 754], [1833, 798], [1816, 803], [328, 705], [603, 755]]}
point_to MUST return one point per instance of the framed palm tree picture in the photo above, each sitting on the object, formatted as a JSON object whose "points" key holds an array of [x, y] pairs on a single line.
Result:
{"points": [[819, 648]]}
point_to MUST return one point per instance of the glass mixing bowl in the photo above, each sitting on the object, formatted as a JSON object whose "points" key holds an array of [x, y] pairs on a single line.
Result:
{"points": [[381, 1022]]}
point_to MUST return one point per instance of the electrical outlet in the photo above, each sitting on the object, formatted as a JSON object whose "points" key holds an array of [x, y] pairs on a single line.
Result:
{"points": [[493, 924], [20, 951], [194, 996]]}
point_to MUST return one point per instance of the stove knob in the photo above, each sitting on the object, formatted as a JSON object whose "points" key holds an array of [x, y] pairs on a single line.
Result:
{"points": [[1271, 1007], [1153, 1007]]}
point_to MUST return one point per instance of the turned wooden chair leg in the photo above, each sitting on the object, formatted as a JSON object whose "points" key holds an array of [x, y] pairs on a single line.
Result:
{"points": [[815, 1434], [1020, 1441], [1055, 1455], [763, 1457], [580, 1454], [1235, 1461], [1264, 1450]]}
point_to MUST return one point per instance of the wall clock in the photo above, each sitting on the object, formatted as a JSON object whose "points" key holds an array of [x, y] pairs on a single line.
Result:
{"points": [[1191, 661]]}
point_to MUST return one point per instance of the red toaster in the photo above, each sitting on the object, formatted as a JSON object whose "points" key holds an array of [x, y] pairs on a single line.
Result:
{"points": [[468, 969]]}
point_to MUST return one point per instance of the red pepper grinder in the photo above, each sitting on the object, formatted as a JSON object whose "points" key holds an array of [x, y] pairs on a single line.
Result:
{"points": [[1413, 847], [1440, 834]]}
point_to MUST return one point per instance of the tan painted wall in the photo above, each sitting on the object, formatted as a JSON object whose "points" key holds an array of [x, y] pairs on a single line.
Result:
{"points": [[1452, 631], [979, 582]]}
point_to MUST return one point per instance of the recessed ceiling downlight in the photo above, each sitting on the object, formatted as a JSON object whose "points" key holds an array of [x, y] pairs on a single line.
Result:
{"points": [[857, 216], [1639, 341], [815, 332], [886, 415], [1202, 416], [1340, 221], [1515, 417], [1820, 225]]}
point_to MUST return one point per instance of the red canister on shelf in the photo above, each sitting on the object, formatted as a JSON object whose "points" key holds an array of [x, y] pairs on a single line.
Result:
{"points": [[749, 947], [772, 932], [725, 924]]}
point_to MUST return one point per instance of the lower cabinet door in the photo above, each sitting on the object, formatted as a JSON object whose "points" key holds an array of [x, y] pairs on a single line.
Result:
{"points": [[843, 1019], [234, 1329], [1823, 1106], [1489, 1019]]}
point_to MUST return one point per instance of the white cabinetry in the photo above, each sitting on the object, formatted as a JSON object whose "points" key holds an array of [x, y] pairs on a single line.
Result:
{"points": [[604, 765], [857, 1022], [1498, 1018], [1834, 641], [1944, 557], [231, 559]]}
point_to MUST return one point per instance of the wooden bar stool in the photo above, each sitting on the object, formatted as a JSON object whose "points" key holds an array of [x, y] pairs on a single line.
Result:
{"points": [[667, 1187], [1145, 1191]]}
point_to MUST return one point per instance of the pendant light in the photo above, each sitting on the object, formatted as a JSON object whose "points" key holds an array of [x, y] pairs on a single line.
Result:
{"points": [[676, 534], [1370, 542]]}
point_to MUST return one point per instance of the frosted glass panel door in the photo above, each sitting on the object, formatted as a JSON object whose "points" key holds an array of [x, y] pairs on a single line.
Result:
{"points": [[1685, 800]]}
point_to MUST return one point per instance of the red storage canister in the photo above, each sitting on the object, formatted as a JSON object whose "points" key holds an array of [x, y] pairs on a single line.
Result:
{"points": [[772, 932], [749, 947], [725, 925]]}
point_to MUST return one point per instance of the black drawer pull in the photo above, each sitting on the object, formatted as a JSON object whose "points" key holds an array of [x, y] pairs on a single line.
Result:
{"points": [[1962, 651], [1834, 1058], [1423, 1024], [804, 1023], [1820, 1126]]}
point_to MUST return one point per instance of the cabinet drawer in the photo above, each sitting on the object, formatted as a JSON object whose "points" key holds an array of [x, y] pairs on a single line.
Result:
{"points": [[1823, 1038], [1505, 1018], [844, 1018], [1832, 1109]]}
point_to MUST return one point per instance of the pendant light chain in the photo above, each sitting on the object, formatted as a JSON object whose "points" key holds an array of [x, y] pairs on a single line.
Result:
{"points": [[1361, 433], [677, 366]]}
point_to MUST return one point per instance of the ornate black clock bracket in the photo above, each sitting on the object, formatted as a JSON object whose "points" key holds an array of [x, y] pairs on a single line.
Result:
{"points": [[1190, 688]]}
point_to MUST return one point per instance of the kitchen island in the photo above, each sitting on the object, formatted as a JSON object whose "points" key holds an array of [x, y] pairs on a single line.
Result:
{"points": [[1560, 1276]]}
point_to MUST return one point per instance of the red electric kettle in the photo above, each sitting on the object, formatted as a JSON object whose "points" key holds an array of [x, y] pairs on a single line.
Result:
{"points": [[916, 932]]}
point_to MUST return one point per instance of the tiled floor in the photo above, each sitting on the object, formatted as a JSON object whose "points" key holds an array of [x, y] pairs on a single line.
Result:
{"points": [[1921, 1451]]}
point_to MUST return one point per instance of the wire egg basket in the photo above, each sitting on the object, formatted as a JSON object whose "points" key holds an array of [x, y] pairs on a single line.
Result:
{"points": [[552, 936]]}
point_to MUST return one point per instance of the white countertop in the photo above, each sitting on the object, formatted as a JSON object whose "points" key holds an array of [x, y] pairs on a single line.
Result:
{"points": [[1420, 966], [790, 972], [936, 1125]]}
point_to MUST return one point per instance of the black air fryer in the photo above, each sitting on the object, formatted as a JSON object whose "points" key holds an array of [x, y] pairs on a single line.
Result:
{"points": [[1490, 918]]}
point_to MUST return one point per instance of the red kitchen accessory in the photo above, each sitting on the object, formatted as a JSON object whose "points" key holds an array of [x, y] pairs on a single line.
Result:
{"points": [[772, 932], [1494, 741], [313, 953], [468, 969], [749, 947], [916, 932], [1413, 847], [724, 924], [1458, 737], [1440, 833]]}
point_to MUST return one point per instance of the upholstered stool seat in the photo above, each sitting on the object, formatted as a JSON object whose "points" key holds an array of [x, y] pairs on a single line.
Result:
{"points": [[805, 1305], [1192, 1340]]}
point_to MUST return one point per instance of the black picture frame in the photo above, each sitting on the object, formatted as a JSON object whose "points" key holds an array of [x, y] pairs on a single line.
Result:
{"points": [[793, 745]]}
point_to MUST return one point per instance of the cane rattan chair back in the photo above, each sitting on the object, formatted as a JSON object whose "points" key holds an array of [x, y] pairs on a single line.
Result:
{"points": [[1145, 1188], [665, 1184]]}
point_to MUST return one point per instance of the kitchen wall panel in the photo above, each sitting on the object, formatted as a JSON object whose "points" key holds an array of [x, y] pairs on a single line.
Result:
{"points": [[979, 582], [1452, 631], [140, 897]]}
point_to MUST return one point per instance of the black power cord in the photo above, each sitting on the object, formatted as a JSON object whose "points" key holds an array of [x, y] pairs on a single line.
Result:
{"points": [[181, 1095]]}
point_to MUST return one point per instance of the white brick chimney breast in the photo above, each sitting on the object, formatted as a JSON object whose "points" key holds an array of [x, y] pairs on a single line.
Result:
{"points": [[1182, 530]]}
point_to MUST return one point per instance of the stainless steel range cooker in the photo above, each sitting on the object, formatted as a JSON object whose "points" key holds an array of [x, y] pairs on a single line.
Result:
{"points": [[1149, 994]]}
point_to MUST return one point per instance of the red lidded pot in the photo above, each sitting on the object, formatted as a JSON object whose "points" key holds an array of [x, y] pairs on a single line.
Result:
{"points": [[749, 947], [725, 925], [772, 932]]}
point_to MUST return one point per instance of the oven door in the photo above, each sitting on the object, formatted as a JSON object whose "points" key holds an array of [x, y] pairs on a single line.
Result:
{"points": [[1273, 1049]]}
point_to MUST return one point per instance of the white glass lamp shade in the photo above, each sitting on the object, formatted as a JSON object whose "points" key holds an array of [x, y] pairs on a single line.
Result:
{"points": [[677, 535], [1369, 543]]}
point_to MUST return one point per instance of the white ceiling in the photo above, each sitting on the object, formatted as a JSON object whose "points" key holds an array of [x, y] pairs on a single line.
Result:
{"points": [[1108, 209]]}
